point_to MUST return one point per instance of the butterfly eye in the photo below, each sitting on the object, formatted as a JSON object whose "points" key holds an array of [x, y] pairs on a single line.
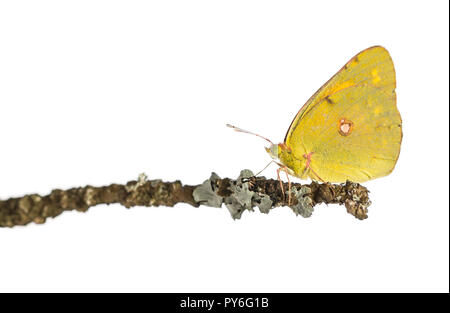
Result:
{"points": [[345, 126]]}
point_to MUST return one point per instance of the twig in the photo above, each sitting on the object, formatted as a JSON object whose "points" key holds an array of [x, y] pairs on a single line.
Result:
{"points": [[238, 195]]}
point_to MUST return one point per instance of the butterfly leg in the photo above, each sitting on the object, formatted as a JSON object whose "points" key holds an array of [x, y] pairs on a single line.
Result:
{"points": [[307, 156], [284, 168], [281, 183], [289, 185]]}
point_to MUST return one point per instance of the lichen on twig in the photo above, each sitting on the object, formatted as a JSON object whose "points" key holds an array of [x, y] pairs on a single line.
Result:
{"points": [[239, 195]]}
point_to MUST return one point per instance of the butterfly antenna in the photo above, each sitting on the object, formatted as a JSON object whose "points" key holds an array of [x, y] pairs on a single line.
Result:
{"points": [[247, 132]]}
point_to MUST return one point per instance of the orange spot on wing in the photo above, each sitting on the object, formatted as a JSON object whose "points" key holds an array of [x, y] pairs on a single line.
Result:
{"points": [[345, 126]]}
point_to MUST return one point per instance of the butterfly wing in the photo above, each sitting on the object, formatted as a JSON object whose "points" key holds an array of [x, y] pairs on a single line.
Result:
{"points": [[351, 126]]}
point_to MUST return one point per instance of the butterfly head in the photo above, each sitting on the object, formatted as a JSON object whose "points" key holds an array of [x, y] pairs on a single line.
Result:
{"points": [[273, 151], [276, 151]]}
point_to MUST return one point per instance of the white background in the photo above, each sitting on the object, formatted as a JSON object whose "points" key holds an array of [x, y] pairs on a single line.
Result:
{"points": [[96, 92]]}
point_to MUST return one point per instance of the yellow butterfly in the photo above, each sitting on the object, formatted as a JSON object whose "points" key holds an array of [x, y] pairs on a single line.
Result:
{"points": [[350, 129]]}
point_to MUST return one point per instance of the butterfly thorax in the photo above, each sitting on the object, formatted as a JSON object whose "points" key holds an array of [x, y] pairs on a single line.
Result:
{"points": [[296, 166]]}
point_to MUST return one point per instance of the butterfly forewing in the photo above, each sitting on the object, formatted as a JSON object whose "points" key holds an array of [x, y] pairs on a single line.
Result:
{"points": [[351, 125]]}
